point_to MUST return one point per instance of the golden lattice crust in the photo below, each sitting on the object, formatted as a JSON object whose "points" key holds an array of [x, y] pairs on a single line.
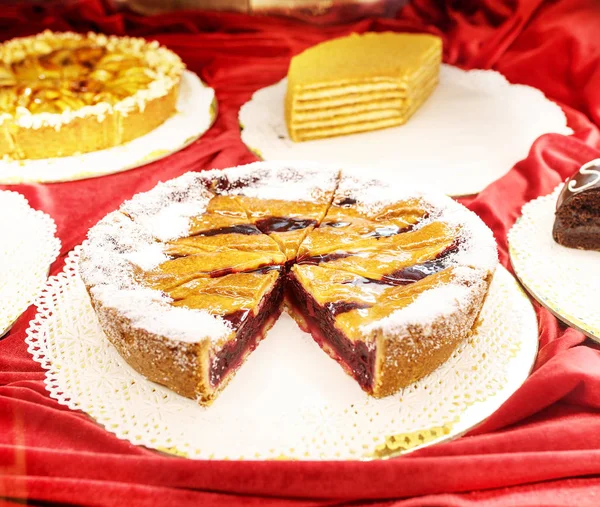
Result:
{"points": [[188, 278], [67, 93]]}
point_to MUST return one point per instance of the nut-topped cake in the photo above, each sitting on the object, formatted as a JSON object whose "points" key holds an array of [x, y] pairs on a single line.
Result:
{"points": [[67, 93], [187, 279]]}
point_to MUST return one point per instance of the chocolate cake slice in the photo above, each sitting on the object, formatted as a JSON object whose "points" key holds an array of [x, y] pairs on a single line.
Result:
{"points": [[577, 218]]}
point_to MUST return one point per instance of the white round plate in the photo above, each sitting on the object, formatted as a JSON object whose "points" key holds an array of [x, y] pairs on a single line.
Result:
{"points": [[196, 111], [27, 248], [564, 280], [469, 133], [289, 399]]}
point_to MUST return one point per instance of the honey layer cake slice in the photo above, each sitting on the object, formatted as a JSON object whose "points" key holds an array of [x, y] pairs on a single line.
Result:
{"points": [[367, 63]]}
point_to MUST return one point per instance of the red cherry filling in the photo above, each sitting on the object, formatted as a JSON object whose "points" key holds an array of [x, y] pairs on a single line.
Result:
{"points": [[356, 357], [251, 329]]}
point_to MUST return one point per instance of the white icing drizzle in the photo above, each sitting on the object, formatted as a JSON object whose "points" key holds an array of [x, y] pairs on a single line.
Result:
{"points": [[591, 168]]}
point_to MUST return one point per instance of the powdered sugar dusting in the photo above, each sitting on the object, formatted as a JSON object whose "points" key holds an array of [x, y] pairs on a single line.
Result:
{"points": [[147, 257], [166, 210], [433, 305], [438, 302], [116, 249], [150, 309], [280, 181]]}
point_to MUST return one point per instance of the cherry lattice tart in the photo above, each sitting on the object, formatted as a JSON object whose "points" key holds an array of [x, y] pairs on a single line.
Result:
{"points": [[66, 93], [187, 279]]}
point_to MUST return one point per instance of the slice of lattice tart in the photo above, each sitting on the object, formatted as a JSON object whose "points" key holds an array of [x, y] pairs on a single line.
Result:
{"points": [[187, 279], [392, 281]]}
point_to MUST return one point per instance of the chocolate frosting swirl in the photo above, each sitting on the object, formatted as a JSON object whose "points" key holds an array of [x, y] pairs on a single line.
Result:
{"points": [[584, 180]]}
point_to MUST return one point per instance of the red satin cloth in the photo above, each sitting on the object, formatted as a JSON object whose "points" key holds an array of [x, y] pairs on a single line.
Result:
{"points": [[540, 448]]}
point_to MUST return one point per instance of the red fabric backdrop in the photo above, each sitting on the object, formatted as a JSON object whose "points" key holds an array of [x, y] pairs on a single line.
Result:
{"points": [[540, 448]]}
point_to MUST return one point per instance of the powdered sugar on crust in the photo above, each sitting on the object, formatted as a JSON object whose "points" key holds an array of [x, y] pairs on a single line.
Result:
{"points": [[433, 305], [108, 267], [280, 181], [445, 299], [166, 210]]}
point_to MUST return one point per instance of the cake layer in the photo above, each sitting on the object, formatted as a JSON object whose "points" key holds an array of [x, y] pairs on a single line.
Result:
{"points": [[349, 128], [301, 118], [324, 92], [347, 119], [346, 100]]}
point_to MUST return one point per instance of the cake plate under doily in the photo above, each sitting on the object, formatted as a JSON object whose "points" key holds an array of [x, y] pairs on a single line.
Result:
{"points": [[27, 249], [196, 112], [469, 133], [289, 399], [564, 280]]}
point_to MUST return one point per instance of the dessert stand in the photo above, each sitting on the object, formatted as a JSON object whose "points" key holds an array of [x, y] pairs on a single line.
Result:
{"points": [[470, 132], [564, 280], [28, 247], [289, 400], [196, 111]]}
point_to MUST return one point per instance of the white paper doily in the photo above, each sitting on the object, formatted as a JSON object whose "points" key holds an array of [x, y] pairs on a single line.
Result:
{"points": [[469, 133], [289, 399], [196, 111], [27, 248], [564, 280]]}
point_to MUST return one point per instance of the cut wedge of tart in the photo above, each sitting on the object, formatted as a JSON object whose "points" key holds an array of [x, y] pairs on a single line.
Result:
{"points": [[66, 93], [188, 278]]}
